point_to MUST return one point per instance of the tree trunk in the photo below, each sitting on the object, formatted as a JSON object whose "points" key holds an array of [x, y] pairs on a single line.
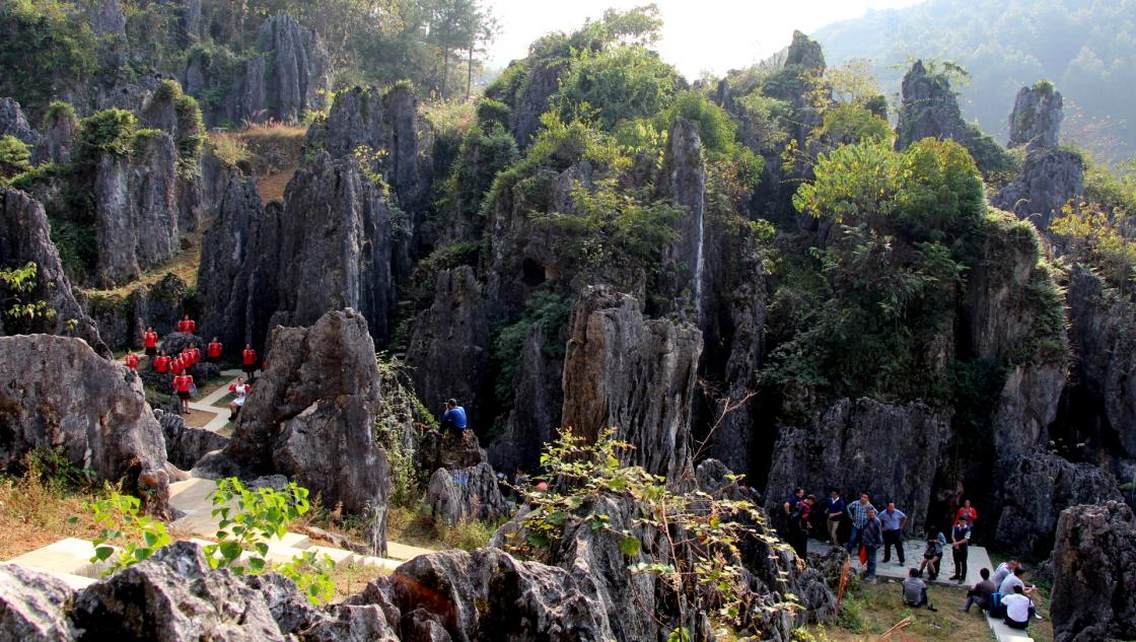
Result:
{"points": [[469, 72], [445, 69]]}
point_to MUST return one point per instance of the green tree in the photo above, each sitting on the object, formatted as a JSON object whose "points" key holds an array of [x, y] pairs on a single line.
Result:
{"points": [[14, 156]]}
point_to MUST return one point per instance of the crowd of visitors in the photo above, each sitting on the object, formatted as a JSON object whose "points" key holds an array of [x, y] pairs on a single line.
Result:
{"points": [[863, 529], [179, 366]]}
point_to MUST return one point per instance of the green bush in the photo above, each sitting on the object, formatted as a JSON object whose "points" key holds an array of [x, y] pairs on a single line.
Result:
{"points": [[482, 155], [492, 112], [14, 155], [43, 40], [126, 536], [191, 134], [547, 309], [715, 126], [110, 130], [616, 84]]}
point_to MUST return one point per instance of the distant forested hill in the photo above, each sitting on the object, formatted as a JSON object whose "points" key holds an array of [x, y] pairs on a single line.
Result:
{"points": [[1086, 47]]}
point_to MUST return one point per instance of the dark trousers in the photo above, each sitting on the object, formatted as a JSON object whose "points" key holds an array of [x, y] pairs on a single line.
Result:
{"points": [[960, 562], [893, 538], [975, 599], [922, 600], [1014, 624]]}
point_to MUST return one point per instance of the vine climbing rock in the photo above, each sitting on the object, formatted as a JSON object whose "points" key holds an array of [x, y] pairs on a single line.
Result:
{"points": [[312, 416], [1094, 574], [56, 392]]}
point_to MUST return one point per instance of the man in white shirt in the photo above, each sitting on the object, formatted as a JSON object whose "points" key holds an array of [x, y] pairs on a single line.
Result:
{"points": [[1019, 609]]}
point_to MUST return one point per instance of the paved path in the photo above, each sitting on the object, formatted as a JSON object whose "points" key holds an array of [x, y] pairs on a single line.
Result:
{"points": [[208, 403]]}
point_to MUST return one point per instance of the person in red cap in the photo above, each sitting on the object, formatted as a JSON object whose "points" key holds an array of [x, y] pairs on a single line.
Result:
{"points": [[150, 342], [182, 385], [161, 363], [214, 350], [248, 362], [131, 361]]}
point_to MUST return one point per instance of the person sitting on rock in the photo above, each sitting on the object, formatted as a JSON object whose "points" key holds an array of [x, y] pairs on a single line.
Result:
{"points": [[248, 362], [1004, 570], [915, 591], [454, 419], [1019, 609], [980, 594], [933, 555], [161, 363], [214, 350], [150, 342], [182, 384], [187, 325], [131, 361], [241, 390], [1015, 579]]}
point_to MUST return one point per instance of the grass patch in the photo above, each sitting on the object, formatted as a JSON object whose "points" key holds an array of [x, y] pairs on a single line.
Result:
{"points": [[184, 265], [869, 610], [351, 578], [416, 527], [35, 509]]}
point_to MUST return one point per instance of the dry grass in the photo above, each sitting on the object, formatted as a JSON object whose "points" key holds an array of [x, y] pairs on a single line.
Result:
{"points": [[184, 266], [351, 578], [271, 187], [35, 513], [869, 610], [272, 150], [416, 527]]}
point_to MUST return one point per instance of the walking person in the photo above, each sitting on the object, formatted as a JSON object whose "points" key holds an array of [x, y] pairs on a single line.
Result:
{"points": [[960, 543], [248, 362], [893, 522], [872, 536], [836, 508], [858, 513]]}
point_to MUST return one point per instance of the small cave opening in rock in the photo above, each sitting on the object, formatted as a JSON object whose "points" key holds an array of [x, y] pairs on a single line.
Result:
{"points": [[532, 273]]}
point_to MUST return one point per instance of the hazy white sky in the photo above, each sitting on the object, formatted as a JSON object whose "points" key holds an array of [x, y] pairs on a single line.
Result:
{"points": [[698, 35]]}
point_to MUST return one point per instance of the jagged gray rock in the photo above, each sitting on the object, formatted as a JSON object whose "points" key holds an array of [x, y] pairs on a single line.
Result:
{"points": [[683, 179], [60, 129], [14, 123], [25, 237], [805, 52], [56, 392], [887, 450], [33, 606], [1038, 487], [1094, 568], [1036, 119], [634, 374], [122, 319], [1050, 179], [185, 445], [542, 82], [136, 209], [449, 348], [336, 247], [463, 494], [312, 416], [240, 261], [929, 110]]}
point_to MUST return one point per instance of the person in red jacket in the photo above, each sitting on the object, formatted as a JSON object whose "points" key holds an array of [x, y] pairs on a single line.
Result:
{"points": [[177, 366], [968, 511], [131, 361], [161, 363], [248, 362], [214, 350], [187, 325], [150, 342], [182, 385]]}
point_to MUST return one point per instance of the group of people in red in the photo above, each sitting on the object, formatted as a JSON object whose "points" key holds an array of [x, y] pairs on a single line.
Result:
{"points": [[179, 366]]}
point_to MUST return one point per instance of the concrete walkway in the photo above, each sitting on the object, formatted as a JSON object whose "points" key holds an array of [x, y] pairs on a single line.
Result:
{"points": [[976, 559], [208, 403]]}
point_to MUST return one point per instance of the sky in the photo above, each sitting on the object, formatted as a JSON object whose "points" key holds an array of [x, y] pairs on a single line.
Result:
{"points": [[698, 35]]}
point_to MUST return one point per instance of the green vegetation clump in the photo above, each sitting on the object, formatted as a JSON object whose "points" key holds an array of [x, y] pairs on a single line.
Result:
{"points": [[482, 155], [109, 130], [546, 309], [492, 112], [616, 84], [191, 135], [44, 41], [14, 156]]}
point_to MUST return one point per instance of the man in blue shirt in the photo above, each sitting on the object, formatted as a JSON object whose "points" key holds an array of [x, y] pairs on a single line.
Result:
{"points": [[893, 522], [454, 418]]}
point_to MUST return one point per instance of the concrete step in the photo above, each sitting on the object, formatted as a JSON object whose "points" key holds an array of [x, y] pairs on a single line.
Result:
{"points": [[1005, 634], [74, 582], [380, 563], [68, 556], [405, 552]]}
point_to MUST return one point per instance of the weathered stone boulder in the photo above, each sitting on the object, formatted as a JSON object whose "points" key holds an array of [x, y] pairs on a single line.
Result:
{"points": [[929, 110], [634, 374], [463, 494], [1036, 119], [805, 52], [887, 450], [336, 247], [56, 392], [449, 345], [312, 416], [1038, 487], [185, 445], [1050, 179], [33, 606], [542, 82], [25, 237], [14, 123], [1094, 568], [436, 450], [60, 128], [487, 594], [136, 209], [122, 319]]}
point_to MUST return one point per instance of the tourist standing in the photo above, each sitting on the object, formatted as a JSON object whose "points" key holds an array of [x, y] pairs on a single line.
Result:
{"points": [[858, 513], [150, 342], [214, 350], [131, 361], [836, 508], [967, 511], [248, 362], [960, 543], [893, 522], [872, 536]]}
